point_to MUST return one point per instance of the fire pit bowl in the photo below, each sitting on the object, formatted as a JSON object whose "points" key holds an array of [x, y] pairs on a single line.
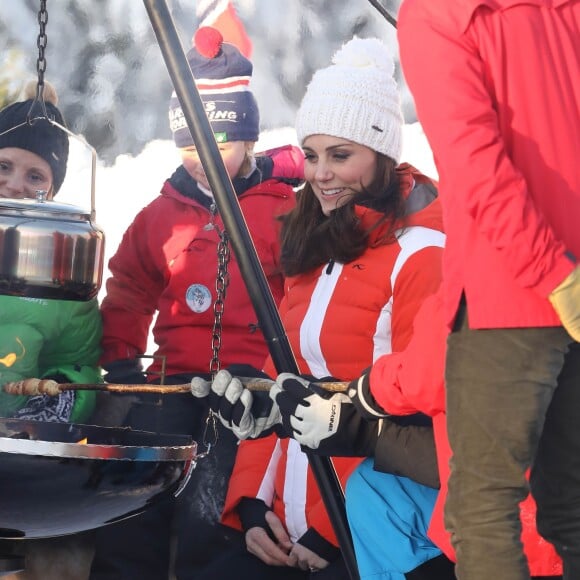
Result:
{"points": [[58, 479]]}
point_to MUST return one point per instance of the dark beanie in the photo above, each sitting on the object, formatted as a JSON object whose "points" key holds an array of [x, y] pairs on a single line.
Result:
{"points": [[222, 76], [39, 137]]}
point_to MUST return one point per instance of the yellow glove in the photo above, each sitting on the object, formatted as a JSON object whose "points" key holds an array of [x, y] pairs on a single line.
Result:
{"points": [[566, 302]]}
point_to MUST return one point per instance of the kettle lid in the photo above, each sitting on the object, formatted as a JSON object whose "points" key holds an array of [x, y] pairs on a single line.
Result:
{"points": [[47, 209]]}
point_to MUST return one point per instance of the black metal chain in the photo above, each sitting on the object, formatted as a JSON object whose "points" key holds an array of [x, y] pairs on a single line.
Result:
{"points": [[221, 284], [41, 43]]}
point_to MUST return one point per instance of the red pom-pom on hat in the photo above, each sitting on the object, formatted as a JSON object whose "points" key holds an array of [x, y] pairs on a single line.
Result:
{"points": [[208, 41]]}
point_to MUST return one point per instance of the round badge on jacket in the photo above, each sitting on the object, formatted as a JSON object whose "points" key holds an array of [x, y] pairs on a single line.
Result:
{"points": [[198, 298]]}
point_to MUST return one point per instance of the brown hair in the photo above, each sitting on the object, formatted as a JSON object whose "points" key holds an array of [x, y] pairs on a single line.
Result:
{"points": [[310, 239]]}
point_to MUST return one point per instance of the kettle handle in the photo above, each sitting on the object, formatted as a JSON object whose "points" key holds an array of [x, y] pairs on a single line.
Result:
{"points": [[93, 162]]}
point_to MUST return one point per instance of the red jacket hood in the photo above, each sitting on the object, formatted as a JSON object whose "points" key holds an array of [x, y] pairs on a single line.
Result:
{"points": [[424, 207]]}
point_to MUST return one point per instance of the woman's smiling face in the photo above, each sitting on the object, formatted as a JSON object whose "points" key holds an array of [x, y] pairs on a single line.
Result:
{"points": [[337, 169], [23, 173]]}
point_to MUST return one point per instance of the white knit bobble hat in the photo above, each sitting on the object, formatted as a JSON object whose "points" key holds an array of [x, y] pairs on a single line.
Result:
{"points": [[356, 98]]}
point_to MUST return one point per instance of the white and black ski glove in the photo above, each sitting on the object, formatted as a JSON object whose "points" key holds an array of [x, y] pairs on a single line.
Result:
{"points": [[249, 415], [326, 422]]}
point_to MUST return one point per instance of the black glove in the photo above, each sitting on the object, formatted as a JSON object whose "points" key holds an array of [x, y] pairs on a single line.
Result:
{"points": [[327, 422], [332, 425], [252, 513], [248, 414], [318, 544], [125, 372]]}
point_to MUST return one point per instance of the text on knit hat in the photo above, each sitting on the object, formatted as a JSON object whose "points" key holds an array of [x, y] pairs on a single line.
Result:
{"points": [[222, 76]]}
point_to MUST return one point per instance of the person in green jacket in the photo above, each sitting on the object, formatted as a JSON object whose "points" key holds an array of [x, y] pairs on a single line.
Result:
{"points": [[43, 338]]}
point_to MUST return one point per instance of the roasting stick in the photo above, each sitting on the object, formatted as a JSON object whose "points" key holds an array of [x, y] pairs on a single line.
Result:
{"points": [[32, 387]]}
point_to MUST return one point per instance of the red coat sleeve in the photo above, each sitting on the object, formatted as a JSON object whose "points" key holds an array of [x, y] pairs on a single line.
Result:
{"points": [[412, 380], [419, 277], [132, 292], [447, 77]]}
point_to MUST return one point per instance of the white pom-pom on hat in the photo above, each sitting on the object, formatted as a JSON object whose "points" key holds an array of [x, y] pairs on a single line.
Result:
{"points": [[362, 52], [356, 98]]}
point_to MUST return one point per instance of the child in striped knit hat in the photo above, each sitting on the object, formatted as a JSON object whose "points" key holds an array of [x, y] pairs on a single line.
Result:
{"points": [[166, 265]]}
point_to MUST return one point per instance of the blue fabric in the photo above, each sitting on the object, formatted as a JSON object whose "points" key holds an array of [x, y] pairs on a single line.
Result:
{"points": [[388, 516]]}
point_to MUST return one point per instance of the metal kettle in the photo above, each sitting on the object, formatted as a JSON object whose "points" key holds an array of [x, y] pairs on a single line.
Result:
{"points": [[49, 250]]}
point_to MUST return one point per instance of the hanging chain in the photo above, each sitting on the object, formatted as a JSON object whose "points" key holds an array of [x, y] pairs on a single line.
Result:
{"points": [[41, 43], [221, 285]]}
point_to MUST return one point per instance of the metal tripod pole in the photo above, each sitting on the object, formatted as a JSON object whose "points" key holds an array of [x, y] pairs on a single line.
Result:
{"points": [[245, 252], [384, 12]]}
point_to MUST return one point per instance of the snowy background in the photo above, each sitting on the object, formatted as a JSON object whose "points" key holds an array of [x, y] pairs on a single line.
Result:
{"points": [[114, 91], [114, 88]]}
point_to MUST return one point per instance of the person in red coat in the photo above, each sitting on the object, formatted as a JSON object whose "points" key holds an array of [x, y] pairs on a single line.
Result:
{"points": [[164, 274], [397, 385], [361, 252], [496, 90]]}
